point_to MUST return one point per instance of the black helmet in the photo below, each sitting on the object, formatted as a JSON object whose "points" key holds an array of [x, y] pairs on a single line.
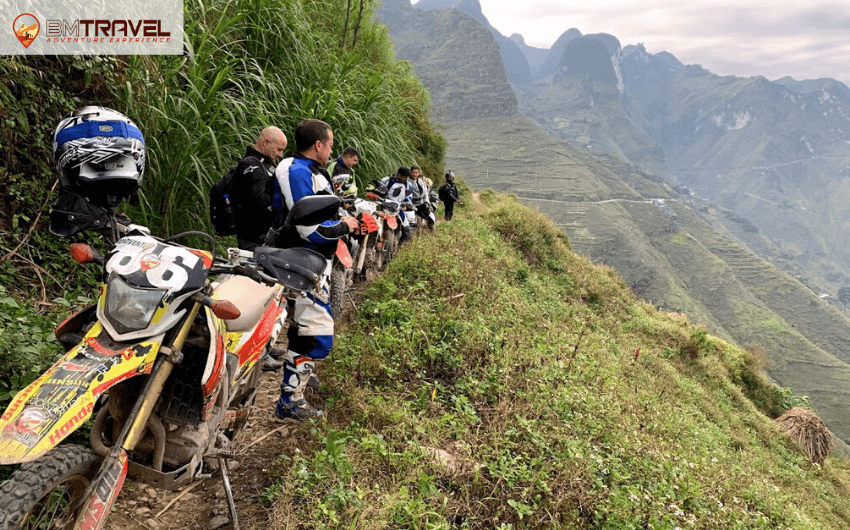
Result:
{"points": [[450, 177], [99, 153]]}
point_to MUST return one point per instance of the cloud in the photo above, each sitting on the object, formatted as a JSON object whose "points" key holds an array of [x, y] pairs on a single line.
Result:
{"points": [[757, 37]]}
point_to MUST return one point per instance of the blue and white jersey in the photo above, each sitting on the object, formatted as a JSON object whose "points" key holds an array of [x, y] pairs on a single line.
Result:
{"points": [[300, 177], [399, 192]]}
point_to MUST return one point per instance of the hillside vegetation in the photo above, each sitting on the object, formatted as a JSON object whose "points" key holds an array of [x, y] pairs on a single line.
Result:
{"points": [[248, 64], [670, 249], [492, 378]]}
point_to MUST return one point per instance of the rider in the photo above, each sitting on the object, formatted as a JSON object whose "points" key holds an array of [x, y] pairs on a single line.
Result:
{"points": [[344, 165], [419, 196], [399, 192], [449, 195], [252, 187], [311, 335]]}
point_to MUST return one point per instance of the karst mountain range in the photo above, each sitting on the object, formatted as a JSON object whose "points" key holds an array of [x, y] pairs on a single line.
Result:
{"points": [[723, 198]]}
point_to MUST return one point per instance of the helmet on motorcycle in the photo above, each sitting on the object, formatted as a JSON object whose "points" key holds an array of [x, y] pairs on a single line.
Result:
{"points": [[99, 153], [429, 182], [450, 177]]}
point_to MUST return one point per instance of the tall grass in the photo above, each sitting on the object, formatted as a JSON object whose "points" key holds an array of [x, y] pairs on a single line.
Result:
{"points": [[264, 62]]}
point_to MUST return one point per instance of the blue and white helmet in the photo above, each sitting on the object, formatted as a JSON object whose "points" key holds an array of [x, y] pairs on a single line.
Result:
{"points": [[99, 153]]}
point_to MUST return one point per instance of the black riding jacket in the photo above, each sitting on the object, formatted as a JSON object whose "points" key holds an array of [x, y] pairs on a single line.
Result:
{"points": [[253, 184]]}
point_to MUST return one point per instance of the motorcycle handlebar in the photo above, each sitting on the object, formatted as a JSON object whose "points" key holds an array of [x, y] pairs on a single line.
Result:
{"points": [[249, 272]]}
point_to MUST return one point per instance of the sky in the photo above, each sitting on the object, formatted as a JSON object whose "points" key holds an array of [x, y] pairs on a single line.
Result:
{"points": [[744, 38]]}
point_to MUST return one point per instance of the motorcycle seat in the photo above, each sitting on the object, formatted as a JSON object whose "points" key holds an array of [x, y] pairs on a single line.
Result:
{"points": [[250, 297]]}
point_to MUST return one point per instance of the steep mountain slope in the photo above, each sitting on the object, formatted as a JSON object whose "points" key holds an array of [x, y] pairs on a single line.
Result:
{"points": [[534, 56], [582, 103], [550, 63], [514, 60], [618, 117], [492, 378], [658, 241], [776, 155], [456, 58]]}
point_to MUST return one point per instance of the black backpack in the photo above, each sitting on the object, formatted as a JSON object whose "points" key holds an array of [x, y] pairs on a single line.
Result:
{"points": [[444, 193], [222, 204]]}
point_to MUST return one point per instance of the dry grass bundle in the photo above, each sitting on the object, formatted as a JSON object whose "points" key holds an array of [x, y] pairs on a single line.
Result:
{"points": [[806, 428]]}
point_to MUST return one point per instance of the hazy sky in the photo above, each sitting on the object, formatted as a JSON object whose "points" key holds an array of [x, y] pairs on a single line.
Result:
{"points": [[806, 39]]}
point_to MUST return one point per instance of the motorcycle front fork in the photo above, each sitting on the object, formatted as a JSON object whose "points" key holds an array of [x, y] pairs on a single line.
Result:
{"points": [[104, 489]]}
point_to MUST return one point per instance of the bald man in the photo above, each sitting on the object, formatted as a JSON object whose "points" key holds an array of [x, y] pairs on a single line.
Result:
{"points": [[253, 187]]}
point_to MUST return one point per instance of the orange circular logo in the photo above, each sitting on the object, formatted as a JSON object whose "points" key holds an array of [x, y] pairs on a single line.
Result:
{"points": [[26, 28]]}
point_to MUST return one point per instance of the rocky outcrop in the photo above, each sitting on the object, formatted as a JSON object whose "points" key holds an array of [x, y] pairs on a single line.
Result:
{"points": [[515, 64], [456, 57]]}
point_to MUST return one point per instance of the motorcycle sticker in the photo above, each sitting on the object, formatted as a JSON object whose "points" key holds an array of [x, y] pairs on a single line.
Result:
{"points": [[150, 261]]}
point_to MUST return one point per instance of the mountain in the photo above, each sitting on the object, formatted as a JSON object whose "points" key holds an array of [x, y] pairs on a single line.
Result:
{"points": [[515, 64], [813, 85], [718, 197], [534, 56], [551, 60], [775, 154], [456, 57]]}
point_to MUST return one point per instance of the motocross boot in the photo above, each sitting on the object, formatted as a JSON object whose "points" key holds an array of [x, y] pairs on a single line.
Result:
{"points": [[297, 370], [313, 382]]}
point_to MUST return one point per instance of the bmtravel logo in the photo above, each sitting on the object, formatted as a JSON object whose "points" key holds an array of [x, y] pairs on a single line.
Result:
{"points": [[92, 27], [26, 28]]}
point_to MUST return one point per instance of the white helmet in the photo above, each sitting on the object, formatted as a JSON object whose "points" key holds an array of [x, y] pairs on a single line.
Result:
{"points": [[99, 153]]}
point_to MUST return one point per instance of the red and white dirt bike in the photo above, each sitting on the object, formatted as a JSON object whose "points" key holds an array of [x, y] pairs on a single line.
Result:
{"points": [[359, 256], [389, 218], [173, 344]]}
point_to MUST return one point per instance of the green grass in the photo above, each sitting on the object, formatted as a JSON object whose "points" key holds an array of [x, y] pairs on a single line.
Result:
{"points": [[494, 381], [248, 64]]}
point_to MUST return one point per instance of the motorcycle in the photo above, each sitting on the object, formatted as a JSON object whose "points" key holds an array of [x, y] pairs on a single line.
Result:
{"points": [[388, 216], [369, 259], [167, 361], [342, 268], [356, 256]]}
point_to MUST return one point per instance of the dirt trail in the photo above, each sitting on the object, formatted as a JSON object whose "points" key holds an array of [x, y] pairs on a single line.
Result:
{"points": [[205, 507], [138, 505]]}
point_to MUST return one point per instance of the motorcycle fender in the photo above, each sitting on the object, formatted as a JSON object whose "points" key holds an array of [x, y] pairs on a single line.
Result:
{"points": [[215, 366], [343, 255], [62, 398], [392, 222]]}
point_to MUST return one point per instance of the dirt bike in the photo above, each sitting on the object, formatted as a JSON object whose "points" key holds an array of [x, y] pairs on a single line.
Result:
{"points": [[172, 347], [388, 217], [369, 258], [357, 256]]}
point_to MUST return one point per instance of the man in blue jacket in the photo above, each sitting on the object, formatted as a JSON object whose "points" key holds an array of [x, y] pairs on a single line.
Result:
{"points": [[311, 335]]}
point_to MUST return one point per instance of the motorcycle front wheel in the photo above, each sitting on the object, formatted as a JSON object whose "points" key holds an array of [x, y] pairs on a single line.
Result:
{"points": [[46, 493]]}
